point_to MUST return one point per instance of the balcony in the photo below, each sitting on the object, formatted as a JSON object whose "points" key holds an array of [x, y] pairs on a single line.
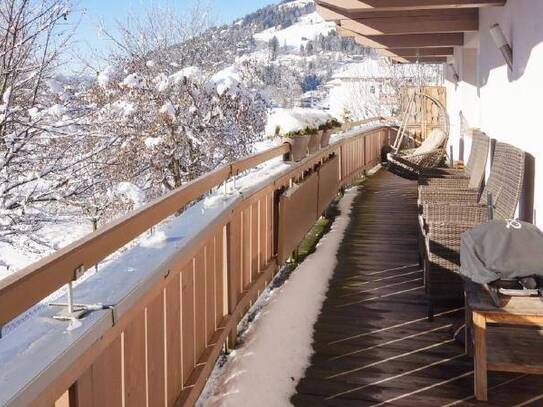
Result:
{"points": [[159, 316], [151, 323]]}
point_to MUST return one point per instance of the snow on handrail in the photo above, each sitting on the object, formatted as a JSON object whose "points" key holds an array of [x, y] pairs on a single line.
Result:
{"points": [[22, 289]]}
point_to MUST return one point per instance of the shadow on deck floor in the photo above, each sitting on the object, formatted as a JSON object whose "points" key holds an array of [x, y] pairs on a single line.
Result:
{"points": [[373, 344]]}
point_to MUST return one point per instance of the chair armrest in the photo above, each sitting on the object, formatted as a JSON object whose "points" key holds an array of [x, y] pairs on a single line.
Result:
{"points": [[446, 183], [442, 195], [444, 173], [443, 244], [451, 214]]}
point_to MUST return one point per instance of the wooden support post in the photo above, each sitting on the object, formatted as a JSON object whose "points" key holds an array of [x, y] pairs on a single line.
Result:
{"points": [[480, 373], [468, 339]]}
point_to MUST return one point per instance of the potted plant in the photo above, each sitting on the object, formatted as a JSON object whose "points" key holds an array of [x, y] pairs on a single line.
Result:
{"points": [[298, 141], [329, 128], [315, 136]]}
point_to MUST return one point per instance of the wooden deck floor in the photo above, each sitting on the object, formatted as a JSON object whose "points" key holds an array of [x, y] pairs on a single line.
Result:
{"points": [[373, 344]]}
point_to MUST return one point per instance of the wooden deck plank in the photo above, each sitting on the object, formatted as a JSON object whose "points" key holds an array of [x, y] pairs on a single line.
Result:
{"points": [[373, 344]]}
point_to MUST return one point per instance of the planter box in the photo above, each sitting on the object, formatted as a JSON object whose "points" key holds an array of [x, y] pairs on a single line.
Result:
{"points": [[315, 142]]}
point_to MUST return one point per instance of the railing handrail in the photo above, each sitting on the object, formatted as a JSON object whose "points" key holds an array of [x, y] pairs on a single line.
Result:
{"points": [[19, 291]]}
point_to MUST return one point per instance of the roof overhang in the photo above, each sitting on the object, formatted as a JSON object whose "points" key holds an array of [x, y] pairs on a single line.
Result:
{"points": [[406, 30]]}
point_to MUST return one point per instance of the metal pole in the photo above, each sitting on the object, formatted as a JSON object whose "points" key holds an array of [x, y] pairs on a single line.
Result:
{"points": [[490, 206], [70, 299]]}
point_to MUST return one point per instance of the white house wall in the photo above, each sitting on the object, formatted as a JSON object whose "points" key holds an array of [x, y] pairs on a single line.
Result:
{"points": [[507, 105]]}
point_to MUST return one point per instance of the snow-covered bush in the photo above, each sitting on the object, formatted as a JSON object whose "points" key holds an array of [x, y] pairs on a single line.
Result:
{"points": [[179, 124]]}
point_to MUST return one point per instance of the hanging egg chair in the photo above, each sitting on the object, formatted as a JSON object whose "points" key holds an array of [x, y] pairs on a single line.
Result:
{"points": [[431, 153]]}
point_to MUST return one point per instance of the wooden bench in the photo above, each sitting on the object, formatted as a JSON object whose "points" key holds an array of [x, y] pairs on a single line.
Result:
{"points": [[506, 338]]}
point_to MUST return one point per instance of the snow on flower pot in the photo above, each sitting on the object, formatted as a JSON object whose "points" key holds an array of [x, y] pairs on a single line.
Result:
{"points": [[314, 140], [298, 145]]}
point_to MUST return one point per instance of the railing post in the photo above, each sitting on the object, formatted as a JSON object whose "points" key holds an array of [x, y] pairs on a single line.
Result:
{"points": [[526, 205], [233, 261]]}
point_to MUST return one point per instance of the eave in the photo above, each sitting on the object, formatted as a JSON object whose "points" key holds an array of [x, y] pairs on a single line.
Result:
{"points": [[407, 30]]}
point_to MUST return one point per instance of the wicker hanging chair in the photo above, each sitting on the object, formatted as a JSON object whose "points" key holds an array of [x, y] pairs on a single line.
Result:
{"points": [[432, 153]]}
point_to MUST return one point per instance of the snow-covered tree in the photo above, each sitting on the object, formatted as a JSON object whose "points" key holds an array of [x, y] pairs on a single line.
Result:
{"points": [[176, 122], [43, 153], [273, 47]]}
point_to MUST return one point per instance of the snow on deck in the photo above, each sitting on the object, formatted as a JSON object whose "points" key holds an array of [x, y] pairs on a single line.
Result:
{"points": [[277, 347]]}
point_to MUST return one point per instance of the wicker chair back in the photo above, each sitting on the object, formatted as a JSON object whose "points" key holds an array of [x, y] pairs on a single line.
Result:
{"points": [[505, 180], [478, 159]]}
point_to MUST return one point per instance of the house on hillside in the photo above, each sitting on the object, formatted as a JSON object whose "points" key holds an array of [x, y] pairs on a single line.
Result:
{"points": [[370, 87]]}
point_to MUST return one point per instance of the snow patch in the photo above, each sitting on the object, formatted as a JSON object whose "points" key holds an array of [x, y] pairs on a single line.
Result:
{"points": [[6, 96], [155, 240], [226, 79], [104, 77], [55, 87], [57, 111], [191, 72], [295, 4], [168, 109], [133, 81], [278, 346], [123, 108], [151, 142], [308, 28], [130, 192]]}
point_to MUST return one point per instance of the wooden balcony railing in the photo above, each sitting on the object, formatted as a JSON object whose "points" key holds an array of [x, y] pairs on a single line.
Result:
{"points": [[158, 345]]}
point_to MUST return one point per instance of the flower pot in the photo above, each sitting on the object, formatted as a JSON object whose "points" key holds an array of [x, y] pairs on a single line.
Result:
{"points": [[298, 147], [325, 140], [315, 142]]}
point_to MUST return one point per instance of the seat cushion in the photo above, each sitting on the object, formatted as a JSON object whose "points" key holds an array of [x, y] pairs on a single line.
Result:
{"points": [[435, 140]]}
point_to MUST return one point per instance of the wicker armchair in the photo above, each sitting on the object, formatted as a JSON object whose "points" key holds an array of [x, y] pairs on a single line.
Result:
{"points": [[471, 178], [453, 186], [478, 149], [444, 222]]}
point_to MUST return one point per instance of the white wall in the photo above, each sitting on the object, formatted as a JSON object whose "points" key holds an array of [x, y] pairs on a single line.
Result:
{"points": [[506, 105]]}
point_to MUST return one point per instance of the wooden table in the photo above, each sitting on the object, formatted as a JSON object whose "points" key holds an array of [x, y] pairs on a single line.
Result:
{"points": [[505, 338]]}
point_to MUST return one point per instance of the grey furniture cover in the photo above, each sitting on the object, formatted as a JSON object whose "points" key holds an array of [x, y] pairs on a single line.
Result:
{"points": [[501, 250]]}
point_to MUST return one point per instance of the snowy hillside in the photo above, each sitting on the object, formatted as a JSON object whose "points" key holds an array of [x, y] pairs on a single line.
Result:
{"points": [[308, 28], [167, 110]]}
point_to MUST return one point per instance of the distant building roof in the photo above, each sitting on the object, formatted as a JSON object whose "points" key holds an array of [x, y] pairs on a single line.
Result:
{"points": [[370, 68]]}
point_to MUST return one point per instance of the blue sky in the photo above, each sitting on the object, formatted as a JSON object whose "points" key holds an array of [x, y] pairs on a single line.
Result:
{"points": [[107, 11]]}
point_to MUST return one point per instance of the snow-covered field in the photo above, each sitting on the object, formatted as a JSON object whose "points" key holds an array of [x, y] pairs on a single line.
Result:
{"points": [[309, 27], [277, 346], [56, 235]]}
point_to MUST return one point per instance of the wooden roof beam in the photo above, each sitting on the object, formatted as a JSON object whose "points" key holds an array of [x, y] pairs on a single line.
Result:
{"points": [[407, 41], [393, 23], [428, 60], [401, 5], [422, 52]]}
